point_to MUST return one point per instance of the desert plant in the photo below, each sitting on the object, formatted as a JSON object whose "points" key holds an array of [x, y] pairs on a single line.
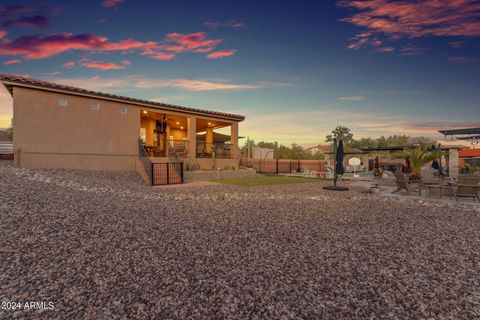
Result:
{"points": [[419, 158]]}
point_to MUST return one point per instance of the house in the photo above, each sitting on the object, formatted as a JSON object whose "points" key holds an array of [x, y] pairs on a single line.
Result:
{"points": [[319, 148], [59, 126], [470, 157]]}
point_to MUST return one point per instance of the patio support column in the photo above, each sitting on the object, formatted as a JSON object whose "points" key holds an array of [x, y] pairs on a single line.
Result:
{"points": [[453, 163], [209, 140], [192, 136], [234, 140]]}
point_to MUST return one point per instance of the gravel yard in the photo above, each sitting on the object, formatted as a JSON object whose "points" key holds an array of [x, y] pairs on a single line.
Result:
{"points": [[106, 246]]}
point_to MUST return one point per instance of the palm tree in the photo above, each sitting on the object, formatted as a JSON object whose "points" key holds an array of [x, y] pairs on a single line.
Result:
{"points": [[419, 158]]}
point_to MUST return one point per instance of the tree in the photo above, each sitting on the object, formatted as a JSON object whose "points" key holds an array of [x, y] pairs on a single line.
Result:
{"points": [[419, 158], [340, 133], [364, 143]]}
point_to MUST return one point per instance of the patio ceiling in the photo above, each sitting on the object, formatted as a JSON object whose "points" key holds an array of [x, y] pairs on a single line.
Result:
{"points": [[179, 122]]}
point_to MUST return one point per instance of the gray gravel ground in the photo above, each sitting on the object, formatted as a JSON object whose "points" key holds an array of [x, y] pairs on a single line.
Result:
{"points": [[105, 246]]}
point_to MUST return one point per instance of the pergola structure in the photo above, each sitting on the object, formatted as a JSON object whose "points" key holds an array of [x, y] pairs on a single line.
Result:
{"points": [[468, 134]]}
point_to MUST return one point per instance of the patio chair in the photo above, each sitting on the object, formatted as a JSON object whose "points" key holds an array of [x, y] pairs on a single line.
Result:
{"points": [[428, 179], [403, 184], [468, 186]]}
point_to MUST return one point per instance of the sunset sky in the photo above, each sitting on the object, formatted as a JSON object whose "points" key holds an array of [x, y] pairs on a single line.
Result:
{"points": [[295, 69]]}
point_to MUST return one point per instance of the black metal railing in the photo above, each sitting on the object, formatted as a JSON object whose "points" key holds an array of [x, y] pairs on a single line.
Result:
{"points": [[167, 173], [177, 147], [168, 149], [146, 163], [160, 173], [211, 150], [283, 165]]}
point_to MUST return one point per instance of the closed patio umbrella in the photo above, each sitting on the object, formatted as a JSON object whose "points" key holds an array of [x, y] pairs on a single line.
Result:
{"points": [[338, 166]]}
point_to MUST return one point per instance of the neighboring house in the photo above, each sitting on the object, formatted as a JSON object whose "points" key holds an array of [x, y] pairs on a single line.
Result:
{"points": [[319, 148], [470, 157], [59, 126]]}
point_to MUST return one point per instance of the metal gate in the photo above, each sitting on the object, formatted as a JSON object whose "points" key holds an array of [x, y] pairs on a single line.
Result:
{"points": [[167, 173]]}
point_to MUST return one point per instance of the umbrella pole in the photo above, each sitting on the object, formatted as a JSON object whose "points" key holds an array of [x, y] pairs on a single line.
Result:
{"points": [[335, 162]]}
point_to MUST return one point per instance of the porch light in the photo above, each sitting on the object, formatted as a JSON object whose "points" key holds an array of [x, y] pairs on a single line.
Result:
{"points": [[144, 112], [177, 122], [181, 128], [209, 123]]}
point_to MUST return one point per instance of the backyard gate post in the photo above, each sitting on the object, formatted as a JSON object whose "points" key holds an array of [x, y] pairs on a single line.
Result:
{"points": [[151, 174], [181, 170], [290, 165], [277, 166], [168, 173]]}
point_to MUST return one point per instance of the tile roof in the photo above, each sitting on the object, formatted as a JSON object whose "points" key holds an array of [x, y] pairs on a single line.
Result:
{"points": [[11, 80], [465, 153]]}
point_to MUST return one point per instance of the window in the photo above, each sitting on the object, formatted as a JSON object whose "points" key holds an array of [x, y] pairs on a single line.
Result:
{"points": [[123, 109], [62, 102], [143, 135], [95, 106]]}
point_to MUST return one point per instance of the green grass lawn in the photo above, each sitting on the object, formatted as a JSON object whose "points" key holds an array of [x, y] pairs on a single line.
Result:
{"points": [[267, 180]]}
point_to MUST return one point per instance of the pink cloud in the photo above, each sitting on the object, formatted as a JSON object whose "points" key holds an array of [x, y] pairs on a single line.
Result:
{"points": [[3, 33], [126, 62], [159, 55], [221, 54], [111, 3], [95, 78], [365, 39], [178, 43], [13, 61], [69, 64], [102, 65], [416, 18], [39, 47], [192, 41]]}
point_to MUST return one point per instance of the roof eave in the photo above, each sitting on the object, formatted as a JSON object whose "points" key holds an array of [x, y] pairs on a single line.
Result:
{"points": [[9, 84]]}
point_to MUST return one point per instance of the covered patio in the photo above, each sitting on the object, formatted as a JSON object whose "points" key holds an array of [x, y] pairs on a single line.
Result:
{"points": [[172, 135]]}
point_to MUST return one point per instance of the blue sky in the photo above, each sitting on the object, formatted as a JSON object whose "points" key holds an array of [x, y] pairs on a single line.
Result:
{"points": [[296, 69]]}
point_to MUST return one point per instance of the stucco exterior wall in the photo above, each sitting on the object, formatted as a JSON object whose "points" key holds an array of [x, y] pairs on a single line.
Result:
{"points": [[50, 135]]}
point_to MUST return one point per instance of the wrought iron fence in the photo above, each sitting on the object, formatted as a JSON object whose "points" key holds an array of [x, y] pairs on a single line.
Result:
{"points": [[283, 165], [167, 173], [146, 163], [177, 147], [216, 149]]}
